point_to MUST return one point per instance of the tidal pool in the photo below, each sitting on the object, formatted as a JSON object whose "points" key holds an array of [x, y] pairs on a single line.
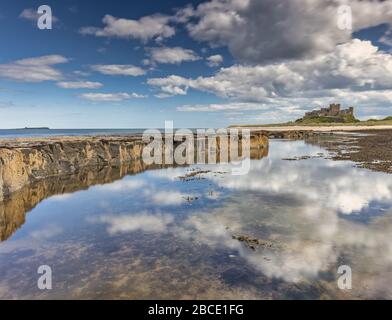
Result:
{"points": [[178, 233]]}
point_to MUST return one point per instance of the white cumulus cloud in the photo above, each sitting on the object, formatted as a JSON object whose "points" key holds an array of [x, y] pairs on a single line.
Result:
{"points": [[35, 69], [146, 28], [356, 66], [259, 30], [174, 55], [110, 97], [79, 85], [214, 60], [32, 15], [119, 70]]}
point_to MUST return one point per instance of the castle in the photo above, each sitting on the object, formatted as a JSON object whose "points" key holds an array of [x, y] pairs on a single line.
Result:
{"points": [[332, 111]]}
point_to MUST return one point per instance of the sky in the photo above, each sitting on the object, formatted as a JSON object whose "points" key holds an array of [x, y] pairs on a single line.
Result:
{"points": [[137, 64]]}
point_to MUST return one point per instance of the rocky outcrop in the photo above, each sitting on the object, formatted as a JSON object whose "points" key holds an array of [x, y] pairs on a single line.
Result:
{"points": [[25, 162], [14, 208], [288, 134]]}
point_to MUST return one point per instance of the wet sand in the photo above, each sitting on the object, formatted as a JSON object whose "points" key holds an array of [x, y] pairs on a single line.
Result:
{"points": [[371, 150]]}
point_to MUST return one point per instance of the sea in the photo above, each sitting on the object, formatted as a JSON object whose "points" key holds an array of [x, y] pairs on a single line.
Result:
{"points": [[45, 132]]}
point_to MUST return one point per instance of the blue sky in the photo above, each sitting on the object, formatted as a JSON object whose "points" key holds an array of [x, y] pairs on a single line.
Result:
{"points": [[128, 64]]}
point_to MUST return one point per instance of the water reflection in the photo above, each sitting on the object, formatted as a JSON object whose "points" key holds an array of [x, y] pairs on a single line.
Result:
{"points": [[133, 222], [155, 235], [14, 209]]}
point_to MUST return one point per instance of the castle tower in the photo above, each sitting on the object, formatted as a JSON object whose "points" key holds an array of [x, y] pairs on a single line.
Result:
{"points": [[334, 109]]}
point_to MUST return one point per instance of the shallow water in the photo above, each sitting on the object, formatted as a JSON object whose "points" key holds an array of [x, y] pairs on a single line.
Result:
{"points": [[154, 235]]}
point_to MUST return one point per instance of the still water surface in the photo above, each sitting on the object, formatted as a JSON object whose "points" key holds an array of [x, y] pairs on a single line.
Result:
{"points": [[155, 235]]}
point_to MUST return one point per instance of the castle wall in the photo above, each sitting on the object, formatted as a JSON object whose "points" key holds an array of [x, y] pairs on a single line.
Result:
{"points": [[332, 111]]}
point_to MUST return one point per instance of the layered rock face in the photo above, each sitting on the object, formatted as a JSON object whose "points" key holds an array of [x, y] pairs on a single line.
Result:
{"points": [[14, 208], [24, 162]]}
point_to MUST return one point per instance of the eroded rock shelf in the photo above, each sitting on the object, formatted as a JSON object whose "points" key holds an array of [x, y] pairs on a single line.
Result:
{"points": [[26, 161]]}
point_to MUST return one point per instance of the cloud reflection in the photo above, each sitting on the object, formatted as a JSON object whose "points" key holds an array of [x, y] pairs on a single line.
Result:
{"points": [[302, 205], [133, 222]]}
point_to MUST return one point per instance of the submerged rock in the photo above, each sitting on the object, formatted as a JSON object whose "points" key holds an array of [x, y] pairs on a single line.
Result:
{"points": [[253, 243]]}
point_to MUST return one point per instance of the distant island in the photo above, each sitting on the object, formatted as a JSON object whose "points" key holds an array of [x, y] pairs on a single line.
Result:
{"points": [[36, 128]]}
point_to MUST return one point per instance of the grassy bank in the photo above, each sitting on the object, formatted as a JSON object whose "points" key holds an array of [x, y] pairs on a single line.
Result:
{"points": [[321, 122]]}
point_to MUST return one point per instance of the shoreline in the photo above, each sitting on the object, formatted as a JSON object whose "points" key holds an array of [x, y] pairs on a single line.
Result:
{"points": [[314, 128], [295, 131], [370, 151]]}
